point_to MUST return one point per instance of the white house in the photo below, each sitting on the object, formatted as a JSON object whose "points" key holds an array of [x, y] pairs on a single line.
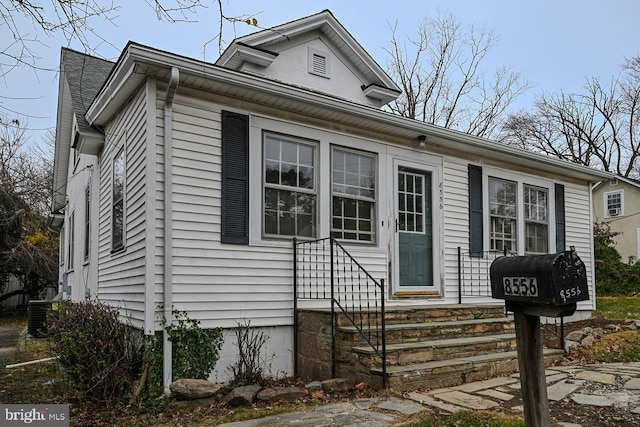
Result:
{"points": [[181, 183]]}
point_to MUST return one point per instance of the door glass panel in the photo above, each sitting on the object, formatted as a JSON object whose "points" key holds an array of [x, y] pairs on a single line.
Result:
{"points": [[415, 230]]}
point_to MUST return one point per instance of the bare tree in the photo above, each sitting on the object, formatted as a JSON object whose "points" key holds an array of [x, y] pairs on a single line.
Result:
{"points": [[31, 23], [599, 127], [443, 81], [27, 249]]}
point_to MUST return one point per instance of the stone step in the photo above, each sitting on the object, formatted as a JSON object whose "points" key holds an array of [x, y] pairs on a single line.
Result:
{"points": [[432, 313], [442, 349], [414, 332], [454, 372]]}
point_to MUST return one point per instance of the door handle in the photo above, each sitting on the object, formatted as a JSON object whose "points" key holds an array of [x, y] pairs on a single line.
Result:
{"points": [[397, 225]]}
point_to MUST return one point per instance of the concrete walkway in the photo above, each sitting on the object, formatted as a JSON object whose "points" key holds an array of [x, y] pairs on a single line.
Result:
{"points": [[576, 395]]}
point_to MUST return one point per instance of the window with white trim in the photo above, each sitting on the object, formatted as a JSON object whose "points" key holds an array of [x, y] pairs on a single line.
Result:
{"points": [[87, 222], [353, 195], [614, 203], [70, 239], [508, 216], [63, 247], [290, 188], [503, 215], [536, 220], [117, 201]]}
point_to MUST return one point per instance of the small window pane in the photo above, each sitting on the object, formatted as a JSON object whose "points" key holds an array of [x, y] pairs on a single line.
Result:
{"points": [[290, 190], [353, 185]]}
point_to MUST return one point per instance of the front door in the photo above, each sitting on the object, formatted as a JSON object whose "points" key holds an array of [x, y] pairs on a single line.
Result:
{"points": [[414, 226]]}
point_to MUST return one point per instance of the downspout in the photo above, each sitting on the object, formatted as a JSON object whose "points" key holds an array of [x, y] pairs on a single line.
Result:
{"points": [[168, 227]]}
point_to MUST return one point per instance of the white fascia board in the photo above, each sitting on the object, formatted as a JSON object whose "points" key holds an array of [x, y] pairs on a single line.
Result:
{"points": [[103, 106], [62, 147], [256, 56], [138, 54]]}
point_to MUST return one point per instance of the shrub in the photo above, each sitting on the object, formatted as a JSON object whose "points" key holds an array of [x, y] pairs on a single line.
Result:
{"points": [[250, 366], [195, 350], [101, 356]]}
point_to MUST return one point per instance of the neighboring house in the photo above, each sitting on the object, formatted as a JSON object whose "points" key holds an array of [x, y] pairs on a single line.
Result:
{"points": [[181, 183], [616, 201]]}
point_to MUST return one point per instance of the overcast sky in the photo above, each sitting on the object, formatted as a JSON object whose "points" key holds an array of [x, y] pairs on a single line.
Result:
{"points": [[555, 44]]}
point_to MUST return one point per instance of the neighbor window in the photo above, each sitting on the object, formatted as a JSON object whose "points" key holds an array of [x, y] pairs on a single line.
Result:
{"points": [[614, 203], [503, 214], [353, 188], [117, 202], [290, 189], [536, 220]]}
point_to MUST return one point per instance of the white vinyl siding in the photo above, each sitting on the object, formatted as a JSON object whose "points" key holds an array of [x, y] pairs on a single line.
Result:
{"points": [[579, 232], [121, 275]]}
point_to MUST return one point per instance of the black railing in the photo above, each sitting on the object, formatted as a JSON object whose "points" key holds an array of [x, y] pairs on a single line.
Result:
{"points": [[323, 269], [473, 272], [474, 281]]}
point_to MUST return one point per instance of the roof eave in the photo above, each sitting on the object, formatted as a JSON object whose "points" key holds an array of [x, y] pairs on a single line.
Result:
{"points": [[117, 89]]}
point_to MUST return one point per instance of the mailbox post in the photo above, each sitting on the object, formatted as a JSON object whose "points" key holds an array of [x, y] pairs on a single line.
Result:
{"points": [[534, 286]]}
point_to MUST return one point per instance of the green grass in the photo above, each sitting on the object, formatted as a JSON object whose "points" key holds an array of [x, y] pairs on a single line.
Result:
{"points": [[618, 307]]}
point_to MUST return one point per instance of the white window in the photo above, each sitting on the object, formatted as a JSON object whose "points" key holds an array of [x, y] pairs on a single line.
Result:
{"points": [[353, 188], [63, 247], [87, 223], [503, 215], [290, 188], [70, 239], [117, 202], [536, 220], [614, 204], [516, 207]]}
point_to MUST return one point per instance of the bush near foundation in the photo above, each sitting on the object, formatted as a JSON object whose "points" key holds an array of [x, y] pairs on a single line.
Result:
{"points": [[101, 357]]}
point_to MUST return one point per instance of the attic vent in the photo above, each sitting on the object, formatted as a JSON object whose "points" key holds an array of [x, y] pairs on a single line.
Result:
{"points": [[318, 63]]}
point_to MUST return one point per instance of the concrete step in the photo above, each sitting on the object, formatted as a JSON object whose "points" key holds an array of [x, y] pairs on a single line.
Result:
{"points": [[432, 313], [414, 332], [441, 349], [453, 372]]}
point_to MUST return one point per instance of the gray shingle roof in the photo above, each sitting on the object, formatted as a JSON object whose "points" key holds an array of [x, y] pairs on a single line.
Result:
{"points": [[85, 75]]}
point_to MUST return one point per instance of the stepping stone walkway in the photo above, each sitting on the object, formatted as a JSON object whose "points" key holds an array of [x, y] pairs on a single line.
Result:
{"points": [[613, 386], [606, 386]]}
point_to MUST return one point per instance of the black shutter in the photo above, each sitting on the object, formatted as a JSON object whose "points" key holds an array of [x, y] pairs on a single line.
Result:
{"points": [[235, 178], [476, 233], [560, 222]]}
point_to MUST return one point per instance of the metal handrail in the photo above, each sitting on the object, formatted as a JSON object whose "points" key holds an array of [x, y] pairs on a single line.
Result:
{"points": [[345, 277]]}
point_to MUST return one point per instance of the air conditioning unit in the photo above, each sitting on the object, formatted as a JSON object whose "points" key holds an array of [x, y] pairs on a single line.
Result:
{"points": [[614, 211]]}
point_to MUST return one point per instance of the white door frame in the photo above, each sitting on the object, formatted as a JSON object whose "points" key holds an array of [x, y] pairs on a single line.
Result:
{"points": [[435, 168]]}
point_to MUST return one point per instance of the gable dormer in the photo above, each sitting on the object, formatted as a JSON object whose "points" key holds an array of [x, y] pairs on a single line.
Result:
{"points": [[316, 53]]}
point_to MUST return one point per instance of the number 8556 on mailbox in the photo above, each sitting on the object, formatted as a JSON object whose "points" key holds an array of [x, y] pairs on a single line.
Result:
{"points": [[520, 286]]}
